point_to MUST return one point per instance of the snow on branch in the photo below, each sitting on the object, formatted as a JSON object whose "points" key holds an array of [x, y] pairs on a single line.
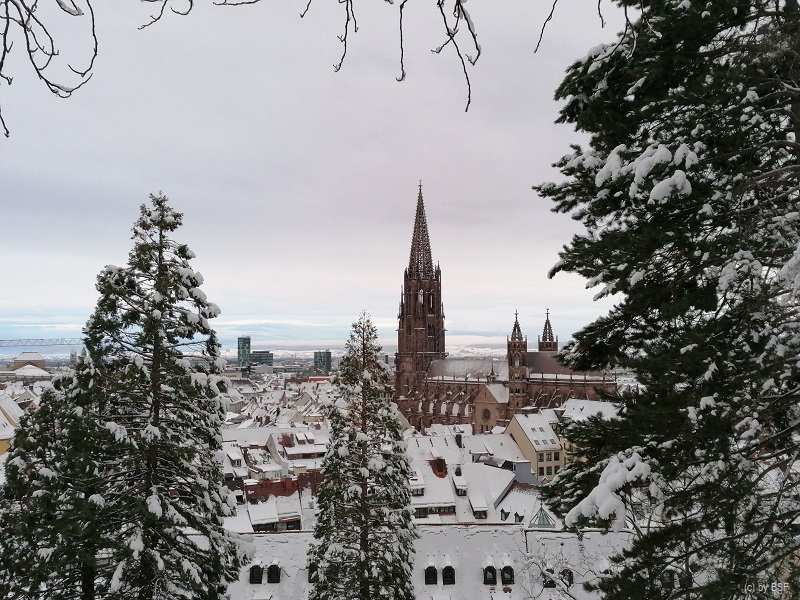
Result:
{"points": [[21, 17]]}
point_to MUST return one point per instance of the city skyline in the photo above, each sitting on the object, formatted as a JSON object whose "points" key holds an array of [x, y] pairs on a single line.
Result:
{"points": [[298, 184]]}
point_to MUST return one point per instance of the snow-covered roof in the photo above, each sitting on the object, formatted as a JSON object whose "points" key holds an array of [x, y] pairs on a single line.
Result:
{"points": [[577, 410], [468, 368], [537, 429], [465, 549], [32, 371]]}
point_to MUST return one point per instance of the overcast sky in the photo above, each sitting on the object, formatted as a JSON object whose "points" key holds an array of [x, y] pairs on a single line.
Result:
{"points": [[298, 184]]}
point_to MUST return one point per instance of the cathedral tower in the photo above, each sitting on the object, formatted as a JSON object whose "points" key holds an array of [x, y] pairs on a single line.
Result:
{"points": [[517, 346], [547, 343], [420, 331]]}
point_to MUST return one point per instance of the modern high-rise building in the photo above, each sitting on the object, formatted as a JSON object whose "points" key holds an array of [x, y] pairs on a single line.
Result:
{"points": [[262, 357], [322, 361], [244, 351]]}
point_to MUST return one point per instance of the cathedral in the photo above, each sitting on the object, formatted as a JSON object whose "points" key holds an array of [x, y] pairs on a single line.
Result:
{"points": [[431, 388]]}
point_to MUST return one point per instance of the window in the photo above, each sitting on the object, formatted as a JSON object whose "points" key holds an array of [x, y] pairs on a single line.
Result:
{"points": [[448, 576], [668, 579], [490, 576], [541, 471], [518, 517], [274, 574], [430, 576], [567, 577], [549, 470], [256, 574], [507, 575], [549, 456], [504, 514], [541, 456], [556, 456], [684, 579], [547, 577]]}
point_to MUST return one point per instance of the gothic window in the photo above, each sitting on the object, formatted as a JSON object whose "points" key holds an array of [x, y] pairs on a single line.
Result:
{"points": [[486, 414], [490, 576], [507, 575], [448, 576], [430, 576], [274, 574], [256, 574]]}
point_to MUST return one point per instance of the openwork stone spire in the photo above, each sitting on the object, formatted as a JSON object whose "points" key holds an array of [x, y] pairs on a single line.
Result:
{"points": [[420, 263], [547, 333], [516, 333]]}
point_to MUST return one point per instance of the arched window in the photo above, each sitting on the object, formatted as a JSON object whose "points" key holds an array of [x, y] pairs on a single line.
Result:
{"points": [[256, 574], [507, 575], [431, 577], [274, 574], [490, 576], [567, 577], [667, 578], [448, 576]]}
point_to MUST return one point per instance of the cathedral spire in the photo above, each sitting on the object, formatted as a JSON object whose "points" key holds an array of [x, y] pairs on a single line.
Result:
{"points": [[547, 333], [516, 333], [420, 263], [548, 343]]}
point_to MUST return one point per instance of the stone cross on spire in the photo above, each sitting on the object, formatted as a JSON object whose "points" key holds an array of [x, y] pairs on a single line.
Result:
{"points": [[420, 263]]}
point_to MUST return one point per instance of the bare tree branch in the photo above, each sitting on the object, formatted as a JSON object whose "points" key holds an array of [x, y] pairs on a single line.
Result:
{"points": [[21, 17]]}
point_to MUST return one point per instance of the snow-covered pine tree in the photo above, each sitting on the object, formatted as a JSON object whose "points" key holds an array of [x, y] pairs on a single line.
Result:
{"points": [[689, 192], [364, 536], [156, 358], [56, 526]]}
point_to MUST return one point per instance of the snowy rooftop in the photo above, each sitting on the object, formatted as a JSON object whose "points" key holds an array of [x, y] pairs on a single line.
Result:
{"points": [[465, 549], [577, 410]]}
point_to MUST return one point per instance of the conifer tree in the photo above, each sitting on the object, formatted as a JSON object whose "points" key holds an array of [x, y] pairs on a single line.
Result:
{"points": [[689, 192], [165, 409], [56, 525], [124, 454], [364, 536]]}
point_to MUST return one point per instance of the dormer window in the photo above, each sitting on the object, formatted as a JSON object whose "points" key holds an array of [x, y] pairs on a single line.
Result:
{"points": [[507, 575], [567, 577], [489, 576], [431, 576], [256, 574], [274, 574]]}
